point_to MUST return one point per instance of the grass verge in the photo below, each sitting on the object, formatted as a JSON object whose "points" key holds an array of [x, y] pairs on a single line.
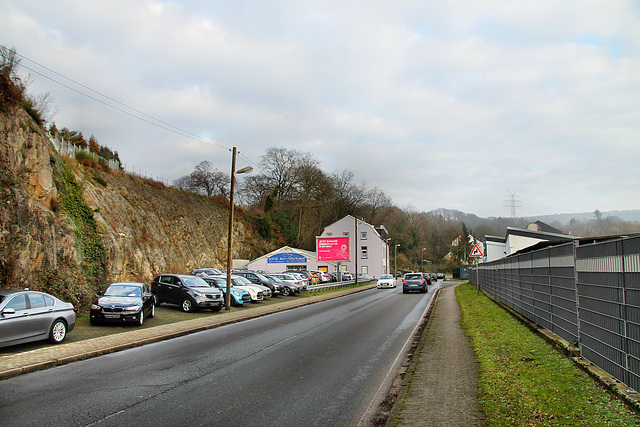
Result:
{"points": [[526, 382]]}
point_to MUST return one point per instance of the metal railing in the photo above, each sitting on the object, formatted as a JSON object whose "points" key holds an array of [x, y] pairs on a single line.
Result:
{"points": [[334, 285], [588, 293]]}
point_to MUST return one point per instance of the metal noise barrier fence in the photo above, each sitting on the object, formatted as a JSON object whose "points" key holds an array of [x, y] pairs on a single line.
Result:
{"points": [[587, 293]]}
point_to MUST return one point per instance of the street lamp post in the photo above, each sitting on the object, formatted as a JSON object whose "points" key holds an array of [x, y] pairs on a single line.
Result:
{"points": [[395, 258], [423, 257], [227, 297]]}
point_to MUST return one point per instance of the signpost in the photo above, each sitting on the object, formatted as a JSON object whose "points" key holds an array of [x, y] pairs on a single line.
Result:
{"points": [[476, 252]]}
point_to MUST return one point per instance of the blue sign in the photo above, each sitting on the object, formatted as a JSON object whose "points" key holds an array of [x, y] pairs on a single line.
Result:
{"points": [[287, 258]]}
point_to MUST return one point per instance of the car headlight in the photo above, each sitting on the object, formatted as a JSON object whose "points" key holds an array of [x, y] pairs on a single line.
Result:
{"points": [[132, 308], [236, 293], [197, 294], [95, 307]]}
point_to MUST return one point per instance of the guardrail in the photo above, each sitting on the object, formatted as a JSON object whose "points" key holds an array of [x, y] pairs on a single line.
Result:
{"points": [[334, 285]]}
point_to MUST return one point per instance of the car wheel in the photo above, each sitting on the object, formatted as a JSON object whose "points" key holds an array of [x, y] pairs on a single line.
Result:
{"points": [[404, 291], [187, 305], [58, 331], [153, 311], [140, 318], [93, 322], [286, 291], [216, 309]]}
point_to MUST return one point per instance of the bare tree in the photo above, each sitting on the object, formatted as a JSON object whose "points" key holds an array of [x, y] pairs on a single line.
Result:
{"points": [[205, 179]]}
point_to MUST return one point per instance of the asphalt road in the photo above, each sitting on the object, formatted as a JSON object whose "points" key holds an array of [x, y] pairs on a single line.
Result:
{"points": [[322, 364]]}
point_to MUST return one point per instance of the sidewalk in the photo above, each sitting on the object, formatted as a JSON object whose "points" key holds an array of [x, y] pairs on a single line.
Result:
{"points": [[439, 388]]}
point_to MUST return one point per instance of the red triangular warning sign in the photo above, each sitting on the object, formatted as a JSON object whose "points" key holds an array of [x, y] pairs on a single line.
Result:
{"points": [[476, 251]]}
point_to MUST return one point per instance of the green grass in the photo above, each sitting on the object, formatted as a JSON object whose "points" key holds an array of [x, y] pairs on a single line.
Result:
{"points": [[526, 382]]}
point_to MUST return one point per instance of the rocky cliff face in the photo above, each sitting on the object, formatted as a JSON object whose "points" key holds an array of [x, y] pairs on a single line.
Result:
{"points": [[145, 227]]}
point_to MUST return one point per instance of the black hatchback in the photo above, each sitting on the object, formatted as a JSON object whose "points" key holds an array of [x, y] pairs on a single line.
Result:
{"points": [[189, 292]]}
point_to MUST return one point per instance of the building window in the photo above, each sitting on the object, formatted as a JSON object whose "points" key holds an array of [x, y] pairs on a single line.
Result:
{"points": [[329, 234], [363, 235], [345, 233], [365, 252]]}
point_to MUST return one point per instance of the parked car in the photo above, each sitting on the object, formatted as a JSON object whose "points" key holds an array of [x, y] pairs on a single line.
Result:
{"points": [[126, 302], [414, 282], [346, 276], [243, 281], [200, 272], [322, 276], [363, 277], [307, 276], [190, 292], [238, 296], [301, 277], [260, 279], [27, 316], [286, 277], [256, 293], [386, 281], [287, 287]]}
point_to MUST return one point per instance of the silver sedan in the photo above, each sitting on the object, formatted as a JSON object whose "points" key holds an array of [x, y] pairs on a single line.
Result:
{"points": [[32, 316]]}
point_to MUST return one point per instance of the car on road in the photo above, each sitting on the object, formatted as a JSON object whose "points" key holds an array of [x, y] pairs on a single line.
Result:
{"points": [[27, 316], [434, 277], [386, 281], [440, 276], [414, 282], [238, 296], [189, 292], [126, 302]]}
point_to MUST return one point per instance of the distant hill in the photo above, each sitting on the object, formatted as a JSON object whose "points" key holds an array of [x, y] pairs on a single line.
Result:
{"points": [[498, 225], [629, 216]]}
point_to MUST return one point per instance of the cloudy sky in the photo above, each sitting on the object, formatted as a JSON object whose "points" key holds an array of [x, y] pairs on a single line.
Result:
{"points": [[440, 103]]}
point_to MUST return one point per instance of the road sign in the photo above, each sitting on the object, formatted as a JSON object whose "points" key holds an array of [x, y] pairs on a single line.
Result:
{"points": [[476, 252]]}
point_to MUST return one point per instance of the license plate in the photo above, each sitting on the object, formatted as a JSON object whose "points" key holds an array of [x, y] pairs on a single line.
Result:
{"points": [[111, 316]]}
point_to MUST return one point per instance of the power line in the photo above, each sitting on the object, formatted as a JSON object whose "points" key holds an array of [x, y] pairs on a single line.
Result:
{"points": [[140, 114]]}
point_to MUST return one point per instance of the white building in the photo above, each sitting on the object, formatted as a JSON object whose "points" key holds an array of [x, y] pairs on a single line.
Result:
{"points": [[287, 258], [519, 238], [368, 245]]}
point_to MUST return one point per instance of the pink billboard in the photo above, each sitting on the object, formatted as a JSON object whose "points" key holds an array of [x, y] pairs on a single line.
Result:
{"points": [[332, 248]]}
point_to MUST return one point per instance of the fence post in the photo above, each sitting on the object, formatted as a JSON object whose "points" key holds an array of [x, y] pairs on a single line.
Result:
{"points": [[575, 279]]}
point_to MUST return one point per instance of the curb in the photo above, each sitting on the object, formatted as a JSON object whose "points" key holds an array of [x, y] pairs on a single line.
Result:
{"points": [[51, 356], [400, 387]]}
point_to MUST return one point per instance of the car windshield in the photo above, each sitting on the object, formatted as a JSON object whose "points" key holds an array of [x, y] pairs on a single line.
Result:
{"points": [[244, 280], [123, 291], [386, 276], [274, 278], [194, 282], [413, 276], [261, 277]]}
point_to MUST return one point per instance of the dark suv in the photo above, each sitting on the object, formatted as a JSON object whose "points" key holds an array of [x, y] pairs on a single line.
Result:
{"points": [[190, 292]]}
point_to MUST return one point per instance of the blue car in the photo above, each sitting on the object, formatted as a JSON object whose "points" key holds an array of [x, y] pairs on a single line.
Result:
{"points": [[238, 296], [414, 282]]}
